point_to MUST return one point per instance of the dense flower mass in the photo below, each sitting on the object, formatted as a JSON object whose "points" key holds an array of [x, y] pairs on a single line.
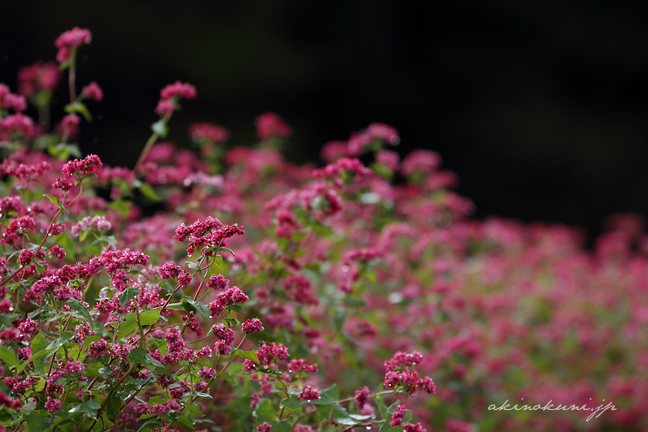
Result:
{"points": [[208, 131], [10, 101], [358, 296], [37, 77], [271, 125]]}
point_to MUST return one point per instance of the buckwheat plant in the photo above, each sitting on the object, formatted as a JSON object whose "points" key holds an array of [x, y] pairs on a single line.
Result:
{"points": [[264, 296]]}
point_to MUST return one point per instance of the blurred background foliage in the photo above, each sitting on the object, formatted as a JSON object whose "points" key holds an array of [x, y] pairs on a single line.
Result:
{"points": [[540, 107]]}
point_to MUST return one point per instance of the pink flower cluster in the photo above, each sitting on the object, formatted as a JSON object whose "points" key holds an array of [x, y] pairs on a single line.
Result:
{"points": [[298, 366], [422, 161], [217, 282], [22, 171], [17, 124], [99, 223], [227, 298], [208, 131], [398, 416], [376, 131], [352, 166], [253, 325], [362, 397], [173, 270], [69, 126], [226, 338], [52, 405], [113, 260], [69, 40], [399, 374], [171, 93], [10, 100], [13, 233], [77, 169], [208, 233], [270, 125], [309, 394], [93, 91], [267, 354], [37, 77]]}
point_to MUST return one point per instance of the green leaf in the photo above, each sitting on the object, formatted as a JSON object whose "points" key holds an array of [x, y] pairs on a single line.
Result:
{"points": [[273, 372], [148, 191], [127, 326], [39, 421], [281, 426], [160, 128], [41, 354], [107, 239], [201, 308], [105, 372], [341, 416], [371, 275], [78, 107], [28, 407], [293, 403], [382, 170], [150, 317], [8, 319], [85, 178], [197, 394], [65, 242], [167, 286], [127, 295], [92, 370], [331, 393], [250, 355], [9, 357], [149, 424], [90, 408], [139, 355], [355, 302], [192, 265], [265, 413], [130, 322], [407, 417], [339, 316], [137, 272], [55, 201], [122, 207], [38, 344], [237, 308], [380, 403], [218, 262], [77, 306], [62, 340], [114, 404], [221, 249], [63, 151], [226, 377], [390, 411]]}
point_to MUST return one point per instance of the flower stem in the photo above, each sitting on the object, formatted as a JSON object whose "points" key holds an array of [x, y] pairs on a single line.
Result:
{"points": [[149, 144]]}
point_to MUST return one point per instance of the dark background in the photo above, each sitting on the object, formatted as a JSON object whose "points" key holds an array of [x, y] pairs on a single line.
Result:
{"points": [[540, 107]]}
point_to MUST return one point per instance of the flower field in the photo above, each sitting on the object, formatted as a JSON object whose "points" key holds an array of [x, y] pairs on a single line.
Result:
{"points": [[220, 288]]}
